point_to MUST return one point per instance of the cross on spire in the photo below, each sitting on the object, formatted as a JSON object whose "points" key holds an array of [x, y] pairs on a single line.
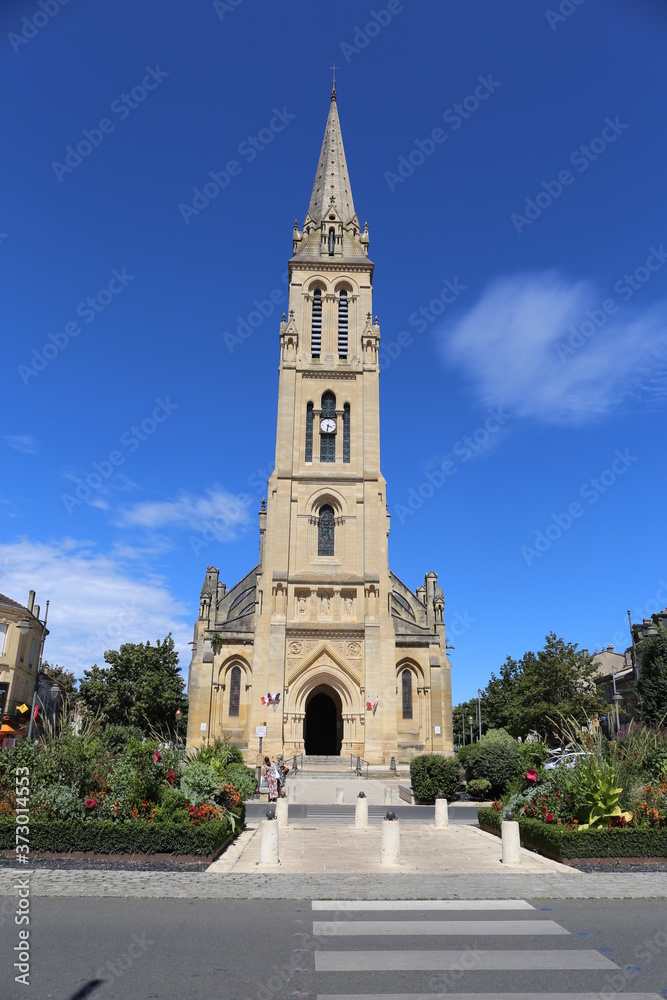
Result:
{"points": [[333, 85]]}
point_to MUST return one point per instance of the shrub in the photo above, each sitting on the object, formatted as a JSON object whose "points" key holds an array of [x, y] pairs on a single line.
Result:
{"points": [[479, 788], [431, 773], [244, 779], [116, 737], [61, 802], [107, 837], [495, 757], [597, 842], [532, 755], [173, 808], [220, 754], [200, 782]]}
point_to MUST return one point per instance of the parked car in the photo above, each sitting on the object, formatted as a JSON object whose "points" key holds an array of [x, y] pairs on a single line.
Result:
{"points": [[566, 758]]}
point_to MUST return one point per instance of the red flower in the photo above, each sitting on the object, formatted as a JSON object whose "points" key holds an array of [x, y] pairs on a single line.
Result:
{"points": [[91, 803], [156, 757], [544, 810], [549, 817], [531, 776]]}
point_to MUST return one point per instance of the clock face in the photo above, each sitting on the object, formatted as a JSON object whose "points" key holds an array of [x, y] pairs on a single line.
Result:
{"points": [[327, 425]]}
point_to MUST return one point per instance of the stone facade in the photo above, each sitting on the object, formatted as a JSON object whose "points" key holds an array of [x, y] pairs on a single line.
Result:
{"points": [[358, 662]]}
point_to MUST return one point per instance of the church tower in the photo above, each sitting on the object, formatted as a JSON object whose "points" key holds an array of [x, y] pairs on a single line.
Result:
{"points": [[321, 649]]}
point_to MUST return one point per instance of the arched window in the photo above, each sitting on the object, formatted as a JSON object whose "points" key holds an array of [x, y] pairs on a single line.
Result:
{"points": [[235, 691], [309, 432], [325, 531], [406, 687], [316, 325], [342, 324], [346, 432], [327, 440], [332, 242]]}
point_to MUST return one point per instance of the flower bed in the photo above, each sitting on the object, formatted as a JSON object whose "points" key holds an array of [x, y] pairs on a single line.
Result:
{"points": [[561, 843], [112, 793]]}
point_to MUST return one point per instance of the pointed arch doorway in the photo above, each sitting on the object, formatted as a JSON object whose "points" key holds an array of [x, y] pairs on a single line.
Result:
{"points": [[323, 723]]}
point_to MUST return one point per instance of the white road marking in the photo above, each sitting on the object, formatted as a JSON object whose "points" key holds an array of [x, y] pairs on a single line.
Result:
{"points": [[470, 928], [351, 905], [471, 960]]}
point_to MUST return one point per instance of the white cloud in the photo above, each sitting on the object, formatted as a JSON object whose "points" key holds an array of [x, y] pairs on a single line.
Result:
{"points": [[22, 442], [98, 600], [514, 347], [219, 511]]}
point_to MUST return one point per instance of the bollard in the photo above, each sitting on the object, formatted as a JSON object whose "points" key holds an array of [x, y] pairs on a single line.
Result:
{"points": [[387, 796], [291, 793], [509, 831], [282, 812], [441, 812], [340, 796], [390, 846], [268, 842], [361, 811]]}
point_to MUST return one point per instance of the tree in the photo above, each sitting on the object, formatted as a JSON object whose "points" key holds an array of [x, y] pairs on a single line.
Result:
{"points": [[142, 686], [535, 691], [499, 706], [653, 680], [556, 683], [66, 677]]}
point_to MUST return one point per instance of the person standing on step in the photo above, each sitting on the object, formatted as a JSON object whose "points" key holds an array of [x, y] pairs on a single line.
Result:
{"points": [[270, 772], [283, 771]]}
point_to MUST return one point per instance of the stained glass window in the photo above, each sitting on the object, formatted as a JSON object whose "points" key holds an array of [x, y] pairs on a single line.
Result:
{"points": [[406, 684], [235, 691], [325, 532]]}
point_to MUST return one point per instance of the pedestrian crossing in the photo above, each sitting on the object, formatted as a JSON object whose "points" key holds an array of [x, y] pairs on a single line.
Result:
{"points": [[383, 931]]}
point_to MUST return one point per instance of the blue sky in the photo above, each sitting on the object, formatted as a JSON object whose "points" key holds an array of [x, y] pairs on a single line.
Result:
{"points": [[523, 409]]}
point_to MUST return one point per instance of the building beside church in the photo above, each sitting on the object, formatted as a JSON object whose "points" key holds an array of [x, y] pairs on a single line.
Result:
{"points": [[321, 649]]}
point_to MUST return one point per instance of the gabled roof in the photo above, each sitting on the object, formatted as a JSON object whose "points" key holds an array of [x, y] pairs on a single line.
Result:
{"points": [[11, 603]]}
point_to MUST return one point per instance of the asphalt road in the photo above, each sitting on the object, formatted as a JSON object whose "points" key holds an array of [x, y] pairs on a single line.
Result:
{"points": [[345, 813], [270, 949]]}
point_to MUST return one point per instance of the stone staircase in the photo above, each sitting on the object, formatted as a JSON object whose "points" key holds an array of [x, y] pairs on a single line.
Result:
{"points": [[316, 766], [322, 766]]}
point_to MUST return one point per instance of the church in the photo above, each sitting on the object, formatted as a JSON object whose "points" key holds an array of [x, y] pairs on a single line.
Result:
{"points": [[321, 649]]}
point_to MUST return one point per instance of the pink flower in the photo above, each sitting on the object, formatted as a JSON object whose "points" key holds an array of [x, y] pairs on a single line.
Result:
{"points": [[531, 776], [156, 757], [91, 803]]}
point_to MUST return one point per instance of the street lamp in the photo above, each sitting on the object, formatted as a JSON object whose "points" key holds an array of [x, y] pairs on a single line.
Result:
{"points": [[479, 711], [470, 722], [179, 716], [24, 626]]}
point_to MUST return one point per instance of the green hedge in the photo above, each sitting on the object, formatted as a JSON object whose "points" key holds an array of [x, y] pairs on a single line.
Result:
{"points": [[109, 837], [431, 773], [629, 842]]}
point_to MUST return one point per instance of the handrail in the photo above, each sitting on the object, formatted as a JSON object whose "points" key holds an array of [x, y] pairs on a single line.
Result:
{"points": [[356, 765]]}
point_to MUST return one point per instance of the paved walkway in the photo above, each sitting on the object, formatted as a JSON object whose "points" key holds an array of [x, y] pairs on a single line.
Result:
{"points": [[311, 849]]}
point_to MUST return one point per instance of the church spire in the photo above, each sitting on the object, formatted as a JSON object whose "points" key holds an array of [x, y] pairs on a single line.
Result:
{"points": [[332, 181]]}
